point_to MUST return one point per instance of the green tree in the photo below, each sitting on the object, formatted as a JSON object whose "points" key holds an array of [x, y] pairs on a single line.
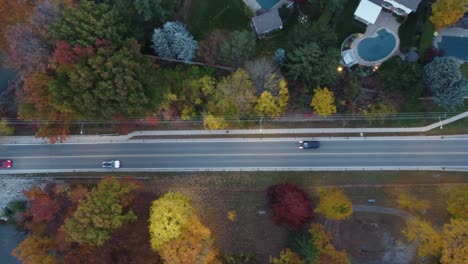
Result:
{"points": [[408, 74], [157, 10], [101, 212], [238, 47], [334, 204], [5, 128], [304, 33], [114, 82], [332, 5], [89, 21], [323, 102], [312, 65], [447, 12], [457, 203], [446, 82], [168, 217]]}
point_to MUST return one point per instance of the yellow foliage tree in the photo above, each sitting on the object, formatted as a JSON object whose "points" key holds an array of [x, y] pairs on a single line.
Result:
{"points": [[333, 204], [35, 249], [5, 129], [447, 12], [214, 123], [266, 105], [195, 245], [409, 202], [457, 203], [455, 247], [287, 256], [321, 239], [283, 95], [431, 241], [168, 217], [323, 102]]}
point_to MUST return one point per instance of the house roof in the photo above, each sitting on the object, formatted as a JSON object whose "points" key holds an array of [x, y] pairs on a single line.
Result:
{"points": [[368, 11], [411, 4], [463, 22], [267, 22]]}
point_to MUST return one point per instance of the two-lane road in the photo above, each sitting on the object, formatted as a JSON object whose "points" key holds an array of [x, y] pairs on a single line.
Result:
{"points": [[234, 154]]}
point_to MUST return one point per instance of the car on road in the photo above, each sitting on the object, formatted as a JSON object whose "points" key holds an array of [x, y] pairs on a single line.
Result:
{"points": [[309, 144], [111, 164], [6, 164]]}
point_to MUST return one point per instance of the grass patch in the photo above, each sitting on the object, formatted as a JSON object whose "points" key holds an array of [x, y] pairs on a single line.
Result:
{"points": [[345, 25], [407, 32], [426, 37], [206, 15], [464, 70]]}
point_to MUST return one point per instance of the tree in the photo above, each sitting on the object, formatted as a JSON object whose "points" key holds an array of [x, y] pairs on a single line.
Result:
{"points": [[114, 82], [12, 12], [291, 206], [312, 65], [266, 105], [211, 122], [446, 82], [157, 10], [42, 206], [309, 32], [261, 70], [321, 240], [208, 49], [173, 41], [195, 245], [5, 128], [101, 212], [430, 241], [323, 102], [457, 204], [455, 247], [97, 21], [287, 257], [235, 97], [65, 53], [168, 217], [447, 12], [405, 200], [35, 249], [334, 204], [238, 47], [333, 5], [408, 74], [279, 57]]}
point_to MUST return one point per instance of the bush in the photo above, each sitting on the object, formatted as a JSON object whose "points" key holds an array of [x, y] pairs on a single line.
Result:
{"points": [[291, 206], [426, 37]]}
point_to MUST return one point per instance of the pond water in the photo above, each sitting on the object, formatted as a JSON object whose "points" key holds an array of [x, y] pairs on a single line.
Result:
{"points": [[10, 238]]}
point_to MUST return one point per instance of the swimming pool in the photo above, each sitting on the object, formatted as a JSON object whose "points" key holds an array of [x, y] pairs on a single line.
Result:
{"points": [[455, 47], [267, 4], [375, 48]]}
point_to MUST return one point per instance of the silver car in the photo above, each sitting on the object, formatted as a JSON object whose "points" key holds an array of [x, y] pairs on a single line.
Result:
{"points": [[113, 164]]}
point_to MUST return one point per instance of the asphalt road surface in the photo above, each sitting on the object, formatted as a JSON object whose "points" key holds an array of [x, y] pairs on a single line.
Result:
{"points": [[238, 155]]}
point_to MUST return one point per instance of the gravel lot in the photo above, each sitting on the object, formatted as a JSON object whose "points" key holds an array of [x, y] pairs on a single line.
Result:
{"points": [[11, 188]]}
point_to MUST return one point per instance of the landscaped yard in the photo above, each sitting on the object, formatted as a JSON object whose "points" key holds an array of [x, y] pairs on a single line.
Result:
{"points": [[206, 15], [345, 25]]}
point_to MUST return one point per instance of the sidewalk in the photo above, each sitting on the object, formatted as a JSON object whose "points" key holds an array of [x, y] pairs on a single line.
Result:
{"points": [[77, 139]]}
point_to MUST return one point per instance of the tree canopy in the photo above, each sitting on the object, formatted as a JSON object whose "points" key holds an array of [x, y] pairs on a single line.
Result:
{"points": [[323, 102], [333, 204], [457, 204], [157, 10], [447, 12], [238, 47], [173, 41], [408, 74]]}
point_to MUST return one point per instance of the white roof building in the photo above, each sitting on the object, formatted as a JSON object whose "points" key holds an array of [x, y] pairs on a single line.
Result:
{"points": [[367, 12]]}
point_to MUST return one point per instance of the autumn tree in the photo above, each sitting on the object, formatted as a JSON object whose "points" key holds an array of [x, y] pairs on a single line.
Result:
{"points": [[457, 203], [321, 240], [35, 249], [455, 245], [287, 256], [447, 12], [333, 204], [113, 82], [5, 128], [42, 206], [96, 21], [102, 211], [323, 102], [195, 245], [409, 202], [211, 122], [65, 53], [270, 105], [238, 47], [291, 206], [430, 241], [235, 96], [13, 12], [168, 217]]}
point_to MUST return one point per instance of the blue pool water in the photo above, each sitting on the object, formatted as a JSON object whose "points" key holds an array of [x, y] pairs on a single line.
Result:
{"points": [[455, 47], [377, 47], [267, 4]]}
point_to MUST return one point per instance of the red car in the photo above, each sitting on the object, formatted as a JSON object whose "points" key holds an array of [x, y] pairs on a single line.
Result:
{"points": [[5, 164]]}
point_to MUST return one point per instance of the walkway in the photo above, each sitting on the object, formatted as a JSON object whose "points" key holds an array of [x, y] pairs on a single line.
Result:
{"points": [[77, 139]]}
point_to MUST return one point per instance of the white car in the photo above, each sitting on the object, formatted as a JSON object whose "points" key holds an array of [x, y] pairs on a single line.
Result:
{"points": [[111, 164]]}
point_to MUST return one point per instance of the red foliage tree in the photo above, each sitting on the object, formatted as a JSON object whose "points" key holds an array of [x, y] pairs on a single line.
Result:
{"points": [[291, 206], [43, 206], [65, 53]]}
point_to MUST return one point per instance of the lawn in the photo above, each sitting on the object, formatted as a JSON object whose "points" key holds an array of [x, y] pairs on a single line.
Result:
{"points": [[206, 15], [345, 25], [464, 70], [426, 37]]}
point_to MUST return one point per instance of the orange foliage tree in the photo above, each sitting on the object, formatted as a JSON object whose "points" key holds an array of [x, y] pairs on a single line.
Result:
{"points": [[11, 13], [34, 250]]}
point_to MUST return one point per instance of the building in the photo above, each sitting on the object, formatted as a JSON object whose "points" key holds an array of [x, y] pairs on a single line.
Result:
{"points": [[267, 23], [368, 10]]}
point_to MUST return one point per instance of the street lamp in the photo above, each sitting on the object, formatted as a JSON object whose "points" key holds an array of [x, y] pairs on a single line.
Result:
{"points": [[81, 130], [261, 124]]}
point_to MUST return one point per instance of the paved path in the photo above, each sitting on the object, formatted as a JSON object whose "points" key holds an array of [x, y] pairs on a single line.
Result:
{"points": [[381, 210]]}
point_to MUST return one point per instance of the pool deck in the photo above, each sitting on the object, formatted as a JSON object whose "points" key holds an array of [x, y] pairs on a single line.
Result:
{"points": [[384, 20], [452, 32], [254, 6]]}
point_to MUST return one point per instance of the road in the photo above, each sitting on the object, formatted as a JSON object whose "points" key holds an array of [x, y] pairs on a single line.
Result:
{"points": [[274, 154]]}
